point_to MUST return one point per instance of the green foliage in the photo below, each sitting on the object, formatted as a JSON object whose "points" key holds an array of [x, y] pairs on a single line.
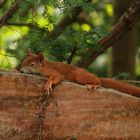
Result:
{"points": [[123, 76], [35, 40], [84, 4], [37, 18], [25, 5], [28, 5], [44, 15], [61, 47]]}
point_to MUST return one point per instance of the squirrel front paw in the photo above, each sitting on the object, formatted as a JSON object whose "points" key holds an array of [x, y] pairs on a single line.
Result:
{"points": [[48, 88]]}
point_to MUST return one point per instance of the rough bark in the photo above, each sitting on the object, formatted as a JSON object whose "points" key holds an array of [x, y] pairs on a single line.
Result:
{"points": [[124, 51], [72, 112]]}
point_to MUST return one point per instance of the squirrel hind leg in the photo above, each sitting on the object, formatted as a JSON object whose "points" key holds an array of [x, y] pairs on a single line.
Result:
{"points": [[92, 87], [83, 77]]}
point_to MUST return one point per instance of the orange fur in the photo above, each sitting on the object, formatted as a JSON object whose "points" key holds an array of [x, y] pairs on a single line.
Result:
{"points": [[57, 72], [120, 86]]}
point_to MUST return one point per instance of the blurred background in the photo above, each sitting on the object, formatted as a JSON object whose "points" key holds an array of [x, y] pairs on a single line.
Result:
{"points": [[32, 26]]}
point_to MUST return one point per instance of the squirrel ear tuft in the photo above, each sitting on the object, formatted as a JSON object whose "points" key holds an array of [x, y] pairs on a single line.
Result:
{"points": [[29, 51], [41, 57]]}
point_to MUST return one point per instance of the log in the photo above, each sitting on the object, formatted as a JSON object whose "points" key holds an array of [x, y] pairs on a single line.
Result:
{"points": [[71, 113]]}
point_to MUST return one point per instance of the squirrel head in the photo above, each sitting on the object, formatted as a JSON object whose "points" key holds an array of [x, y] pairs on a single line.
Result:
{"points": [[32, 63]]}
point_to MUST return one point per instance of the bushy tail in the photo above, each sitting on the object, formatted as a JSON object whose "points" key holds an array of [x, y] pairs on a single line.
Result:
{"points": [[120, 86]]}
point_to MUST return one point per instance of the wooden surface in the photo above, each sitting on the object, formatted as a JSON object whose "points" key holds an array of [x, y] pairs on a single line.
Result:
{"points": [[71, 113]]}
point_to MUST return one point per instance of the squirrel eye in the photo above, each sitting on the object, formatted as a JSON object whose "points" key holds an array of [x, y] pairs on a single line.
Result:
{"points": [[32, 64]]}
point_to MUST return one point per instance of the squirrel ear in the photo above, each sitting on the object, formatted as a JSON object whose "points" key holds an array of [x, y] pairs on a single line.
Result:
{"points": [[41, 57], [29, 51]]}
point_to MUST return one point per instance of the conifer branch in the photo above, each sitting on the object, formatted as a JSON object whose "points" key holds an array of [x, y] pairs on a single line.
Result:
{"points": [[31, 25], [19, 24], [66, 21]]}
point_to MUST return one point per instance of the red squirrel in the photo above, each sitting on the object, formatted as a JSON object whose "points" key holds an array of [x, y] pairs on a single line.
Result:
{"points": [[58, 71]]}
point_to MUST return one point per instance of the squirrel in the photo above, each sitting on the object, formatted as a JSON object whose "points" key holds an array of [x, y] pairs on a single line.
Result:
{"points": [[58, 71]]}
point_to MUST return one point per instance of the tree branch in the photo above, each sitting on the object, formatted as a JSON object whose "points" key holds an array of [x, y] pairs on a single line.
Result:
{"points": [[73, 52], [7, 55], [124, 25], [20, 24], [31, 25], [2, 3], [9, 14], [66, 21]]}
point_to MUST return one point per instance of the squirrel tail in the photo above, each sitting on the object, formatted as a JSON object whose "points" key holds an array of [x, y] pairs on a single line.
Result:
{"points": [[120, 86]]}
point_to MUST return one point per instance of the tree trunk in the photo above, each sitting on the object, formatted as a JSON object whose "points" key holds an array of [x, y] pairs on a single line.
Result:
{"points": [[124, 51], [72, 112]]}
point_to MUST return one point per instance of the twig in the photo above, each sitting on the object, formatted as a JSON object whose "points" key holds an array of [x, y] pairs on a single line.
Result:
{"points": [[31, 25], [132, 81], [2, 3], [7, 55], [9, 14], [73, 52], [19, 24]]}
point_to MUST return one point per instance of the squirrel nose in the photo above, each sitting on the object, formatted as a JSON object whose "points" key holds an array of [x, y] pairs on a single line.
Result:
{"points": [[23, 70]]}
